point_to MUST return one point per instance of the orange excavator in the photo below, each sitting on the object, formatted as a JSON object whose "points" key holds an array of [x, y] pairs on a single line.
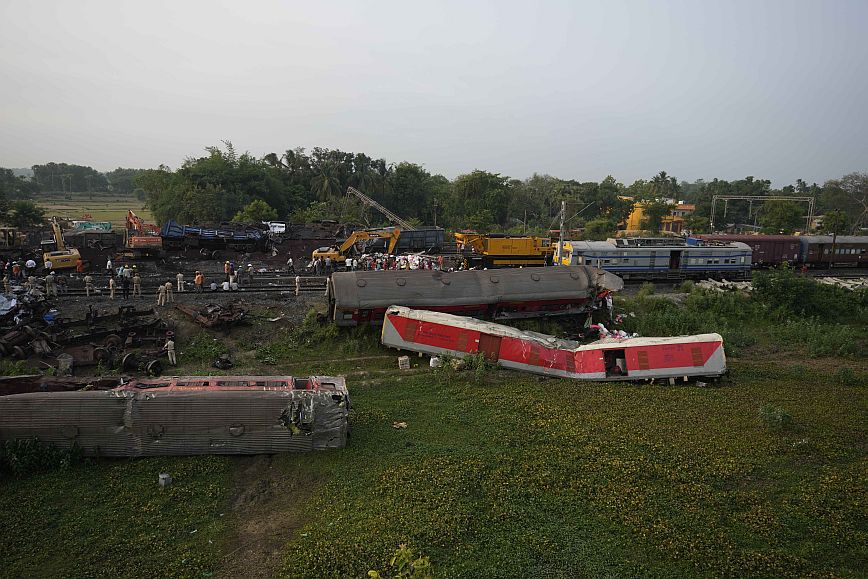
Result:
{"points": [[142, 239]]}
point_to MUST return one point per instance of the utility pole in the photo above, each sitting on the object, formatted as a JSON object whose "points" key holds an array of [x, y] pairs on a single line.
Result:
{"points": [[435, 212], [563, 233]]}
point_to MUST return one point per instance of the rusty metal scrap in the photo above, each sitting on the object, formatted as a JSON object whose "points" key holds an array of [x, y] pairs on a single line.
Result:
{"points": [[215, 315]]}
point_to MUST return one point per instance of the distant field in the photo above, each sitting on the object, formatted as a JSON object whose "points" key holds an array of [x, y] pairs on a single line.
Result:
{"points": [[96, 207]]}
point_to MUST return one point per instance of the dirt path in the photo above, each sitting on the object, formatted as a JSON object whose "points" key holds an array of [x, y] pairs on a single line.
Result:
{"points": [[266, 505]]}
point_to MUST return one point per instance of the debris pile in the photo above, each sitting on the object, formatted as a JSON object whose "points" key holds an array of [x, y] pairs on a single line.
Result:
{"points": [[215, 315]]}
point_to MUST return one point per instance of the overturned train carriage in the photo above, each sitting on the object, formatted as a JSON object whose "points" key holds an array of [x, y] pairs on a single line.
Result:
{"points": [[435, 333], [361, 297], [186, 416]]}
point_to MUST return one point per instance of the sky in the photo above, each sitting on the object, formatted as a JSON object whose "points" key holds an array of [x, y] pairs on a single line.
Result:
{"points": [[579, 90]]}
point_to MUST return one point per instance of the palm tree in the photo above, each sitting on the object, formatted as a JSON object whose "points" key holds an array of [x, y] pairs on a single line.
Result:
{"points": [[326, 183]]}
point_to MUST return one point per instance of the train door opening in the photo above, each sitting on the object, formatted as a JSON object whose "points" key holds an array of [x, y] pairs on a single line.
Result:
{"points": [[615, 362], [490, 346], [675, 259]]}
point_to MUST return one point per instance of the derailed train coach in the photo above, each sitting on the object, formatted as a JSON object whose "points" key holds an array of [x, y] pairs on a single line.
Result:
{"points": [[436, 333], [186, 416], [362, 297]]}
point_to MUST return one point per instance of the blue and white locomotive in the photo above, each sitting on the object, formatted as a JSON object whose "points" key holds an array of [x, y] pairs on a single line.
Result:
{"points": [[662, 258]]}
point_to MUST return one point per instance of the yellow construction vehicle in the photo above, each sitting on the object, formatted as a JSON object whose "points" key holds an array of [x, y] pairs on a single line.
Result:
{"points": [[339, 253], [499, 250], [62, 257]]}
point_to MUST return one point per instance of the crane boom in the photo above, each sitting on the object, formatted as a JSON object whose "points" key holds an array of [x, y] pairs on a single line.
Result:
{"points": [[371, 203]]}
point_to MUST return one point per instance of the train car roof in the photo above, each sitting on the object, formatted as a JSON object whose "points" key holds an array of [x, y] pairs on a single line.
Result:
{"points": [[369, 289], [839, 239]]}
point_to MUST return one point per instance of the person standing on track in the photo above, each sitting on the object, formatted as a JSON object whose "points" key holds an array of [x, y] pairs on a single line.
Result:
{"points": [[125, 287], [170, 297], [170, 348], [199, 281], [137, 285], [180, 278], [88, 285], [161, 295], [111, 286]]}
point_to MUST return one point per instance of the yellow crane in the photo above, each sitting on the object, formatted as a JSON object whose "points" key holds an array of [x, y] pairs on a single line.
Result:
{"points": [[498, 250], [62, 257]]}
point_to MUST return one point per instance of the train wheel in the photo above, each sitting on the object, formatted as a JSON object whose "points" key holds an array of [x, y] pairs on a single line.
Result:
{"points": [[154, 368], [129, 362], [113, 341]]}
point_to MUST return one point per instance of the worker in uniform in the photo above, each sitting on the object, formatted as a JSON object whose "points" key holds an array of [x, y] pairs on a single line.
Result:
{"points": [[108, 266], [250, 273], [50, 288], [16, 271], [290, 267], [30, 283], [170, 297], [161, 295], [48, 266], [79, 266], [180, 278], [5, 282], [198, 281], [88, 285], [30, 267], [137, 285], [170, 348], [111, 287], [226, 270]]}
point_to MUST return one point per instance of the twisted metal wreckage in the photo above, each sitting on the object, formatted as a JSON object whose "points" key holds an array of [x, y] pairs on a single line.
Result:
{"points": [[186, 416], [437, 333]]}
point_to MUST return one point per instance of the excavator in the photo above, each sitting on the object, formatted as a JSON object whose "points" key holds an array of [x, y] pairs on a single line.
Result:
{"points": [[498, 250], [142, 239], [62, 257], [339, 253]]}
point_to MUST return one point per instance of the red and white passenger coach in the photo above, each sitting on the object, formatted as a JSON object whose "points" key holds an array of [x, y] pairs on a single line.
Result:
{"points": [[437, 333]]}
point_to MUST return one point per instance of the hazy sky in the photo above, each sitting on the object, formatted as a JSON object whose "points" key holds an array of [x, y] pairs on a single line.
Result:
{"points": [[700, 88]]}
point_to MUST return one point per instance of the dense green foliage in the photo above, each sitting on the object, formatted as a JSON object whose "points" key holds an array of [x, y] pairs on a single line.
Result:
{"points": [[302, 185]]}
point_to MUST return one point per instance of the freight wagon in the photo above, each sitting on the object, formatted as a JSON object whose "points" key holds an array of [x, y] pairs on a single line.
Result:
{"points": [[436, 333], [361, 297], [226, 236], [815, 251]]}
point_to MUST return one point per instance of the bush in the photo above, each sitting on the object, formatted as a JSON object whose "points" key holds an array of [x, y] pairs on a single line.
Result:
{"points": [[817, 338], [14, 368], [775, 417], [645, 290], [21, 457], [788, 294]]}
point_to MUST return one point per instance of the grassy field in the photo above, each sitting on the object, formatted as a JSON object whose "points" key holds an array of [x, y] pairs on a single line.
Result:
{"points": [[98, 206], [498, 474]]}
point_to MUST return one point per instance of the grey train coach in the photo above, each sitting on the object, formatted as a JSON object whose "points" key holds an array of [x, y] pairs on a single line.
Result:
{"points": [[662, 259]]}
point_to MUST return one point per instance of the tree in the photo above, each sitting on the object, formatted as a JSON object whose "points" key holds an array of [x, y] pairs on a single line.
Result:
{"points": [[121, 180], [781, 217], [653, 213], [256, 211], [850, 194], [835, 222], [663, 186], [326, 183], [600, 229], [697, 223], [26, 213]]}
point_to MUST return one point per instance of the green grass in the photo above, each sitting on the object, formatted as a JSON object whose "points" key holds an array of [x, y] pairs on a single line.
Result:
{"points": [[100, 207], [500, 473]]}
